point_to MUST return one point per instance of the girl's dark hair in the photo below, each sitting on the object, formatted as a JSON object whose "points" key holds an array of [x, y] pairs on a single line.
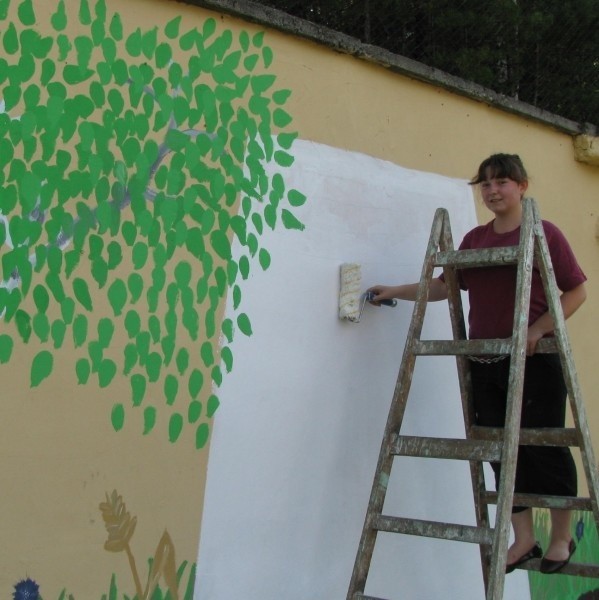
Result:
{"points": [[498, 166]]}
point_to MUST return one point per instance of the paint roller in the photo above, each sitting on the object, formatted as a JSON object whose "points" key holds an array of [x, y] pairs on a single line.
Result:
{"points": [[351, 298]]}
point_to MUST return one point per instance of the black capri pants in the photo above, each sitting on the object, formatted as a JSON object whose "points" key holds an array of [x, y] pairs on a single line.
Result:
{"points": [[546, 470]]}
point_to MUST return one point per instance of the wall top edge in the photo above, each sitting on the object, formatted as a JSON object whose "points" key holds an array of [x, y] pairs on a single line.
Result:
{"points": [[340, 42]]}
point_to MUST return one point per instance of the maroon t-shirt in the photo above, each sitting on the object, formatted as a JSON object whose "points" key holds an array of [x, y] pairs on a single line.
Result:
{"points": [[492, 290]]}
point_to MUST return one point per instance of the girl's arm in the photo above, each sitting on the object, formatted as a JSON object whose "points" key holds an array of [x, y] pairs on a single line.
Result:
{"points": [[437, 291], [570, 301]]}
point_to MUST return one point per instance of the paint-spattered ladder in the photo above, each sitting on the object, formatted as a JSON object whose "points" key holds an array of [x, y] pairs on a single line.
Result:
{"points": [[481, 444]]}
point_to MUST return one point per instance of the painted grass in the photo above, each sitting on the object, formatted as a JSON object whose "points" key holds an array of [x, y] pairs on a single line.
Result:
{"points": [[566, 587], [185, 588]]}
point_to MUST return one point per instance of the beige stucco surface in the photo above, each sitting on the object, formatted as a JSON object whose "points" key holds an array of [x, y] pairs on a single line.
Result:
{"points": [[59, 453]]}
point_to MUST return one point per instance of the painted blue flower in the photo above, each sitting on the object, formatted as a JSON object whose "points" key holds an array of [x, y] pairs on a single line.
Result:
{"points": [[26, 590], [579, 529]]}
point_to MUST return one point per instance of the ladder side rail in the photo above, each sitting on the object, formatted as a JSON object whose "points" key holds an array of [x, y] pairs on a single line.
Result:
{"points": [[458, 326], [570, 373], [514, 406], [396, 412]]}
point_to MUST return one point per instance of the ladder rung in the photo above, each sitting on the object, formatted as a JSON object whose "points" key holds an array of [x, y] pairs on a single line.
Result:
{"points": [[434, 529], [547, 436], [360, 596], [563, 502], [572, 568], [460, 347], [475, 347], [454, 449], [485, 257]]}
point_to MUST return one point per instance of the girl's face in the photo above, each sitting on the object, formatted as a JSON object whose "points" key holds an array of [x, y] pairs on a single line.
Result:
{"points": [[502, 196]]}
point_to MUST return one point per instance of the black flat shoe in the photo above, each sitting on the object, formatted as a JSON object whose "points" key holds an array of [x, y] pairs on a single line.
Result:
{"points": [[534, 552], [549, 566]]}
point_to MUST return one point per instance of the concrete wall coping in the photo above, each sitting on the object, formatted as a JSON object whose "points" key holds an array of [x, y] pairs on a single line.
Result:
{"points": [[340, 42]]}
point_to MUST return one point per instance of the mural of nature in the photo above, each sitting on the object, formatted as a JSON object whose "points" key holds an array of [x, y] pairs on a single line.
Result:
{"points": [[130, 161]]}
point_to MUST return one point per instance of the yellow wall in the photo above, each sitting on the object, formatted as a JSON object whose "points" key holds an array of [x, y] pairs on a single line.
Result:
{"points": [[60, 453]]}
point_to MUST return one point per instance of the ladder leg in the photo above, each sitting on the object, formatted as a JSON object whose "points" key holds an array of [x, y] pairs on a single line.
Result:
{"points": [[395, 418]]}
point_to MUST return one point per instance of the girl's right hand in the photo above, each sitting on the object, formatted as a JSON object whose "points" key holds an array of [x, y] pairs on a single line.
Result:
{"points": [[381, 292]]}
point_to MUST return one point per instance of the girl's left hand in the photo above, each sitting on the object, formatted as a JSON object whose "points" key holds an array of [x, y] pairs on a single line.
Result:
{"points": [[532, 338]]}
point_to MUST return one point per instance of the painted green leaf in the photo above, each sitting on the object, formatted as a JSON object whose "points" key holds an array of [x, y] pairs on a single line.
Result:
{"points": [[285, 140], [213, 404], [171, 388], [41, 298], [138, 389], [209, 28], [207, 354], [59, 18], [221, 244], [261, 83], [116, 27], [135, 284], [82, 370], [106, 372], [163, 55], [290, 221], [296, 198], [79, 330], [82, 294], [153, 366], [236, 296], [194, 411], [172, 28], [281, 96], [149, 419], [41, 367], [244, 324], [73, 74], [196, 381], [284, 159], [217, 375], [182, 360], [67, 310], [133, 43], [227, 358], [131, 358], [175, 426], [202, 434], [6, 347], [117, 416], [58, 333], [23, 322], [267, 56], [117, 296], [105, 332], [264, 258], [41, 326], [26, 13], [85, 17]]}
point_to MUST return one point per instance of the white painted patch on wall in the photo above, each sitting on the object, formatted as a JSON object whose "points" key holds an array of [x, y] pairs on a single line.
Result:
{"points": [[297, 436]]}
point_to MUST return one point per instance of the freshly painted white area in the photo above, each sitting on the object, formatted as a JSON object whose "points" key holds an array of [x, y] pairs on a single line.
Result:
{"points": [[296, 439]]}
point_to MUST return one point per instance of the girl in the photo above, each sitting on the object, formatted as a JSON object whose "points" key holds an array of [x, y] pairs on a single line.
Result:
{"points": [[491, 291]]}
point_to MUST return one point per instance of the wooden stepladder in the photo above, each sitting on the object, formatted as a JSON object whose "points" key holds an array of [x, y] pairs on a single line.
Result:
{"points": [[481, 444]]}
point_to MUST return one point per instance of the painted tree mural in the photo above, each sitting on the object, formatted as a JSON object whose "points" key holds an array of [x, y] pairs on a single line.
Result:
{"points": [[129, 162]]}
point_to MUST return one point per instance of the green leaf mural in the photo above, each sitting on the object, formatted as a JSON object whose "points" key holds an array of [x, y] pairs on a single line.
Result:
{"points": [[131, 161]]}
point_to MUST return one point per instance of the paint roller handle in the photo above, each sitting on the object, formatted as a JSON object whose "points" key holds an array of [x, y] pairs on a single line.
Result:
{"points": [[370, 296]]}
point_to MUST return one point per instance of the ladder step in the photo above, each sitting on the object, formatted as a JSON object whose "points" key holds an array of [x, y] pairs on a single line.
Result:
{"points": [[485, 257], [563, 502], [433, 529], [577, 569], [546, 436], [359, 596], [493, 347], [454, 449]]}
